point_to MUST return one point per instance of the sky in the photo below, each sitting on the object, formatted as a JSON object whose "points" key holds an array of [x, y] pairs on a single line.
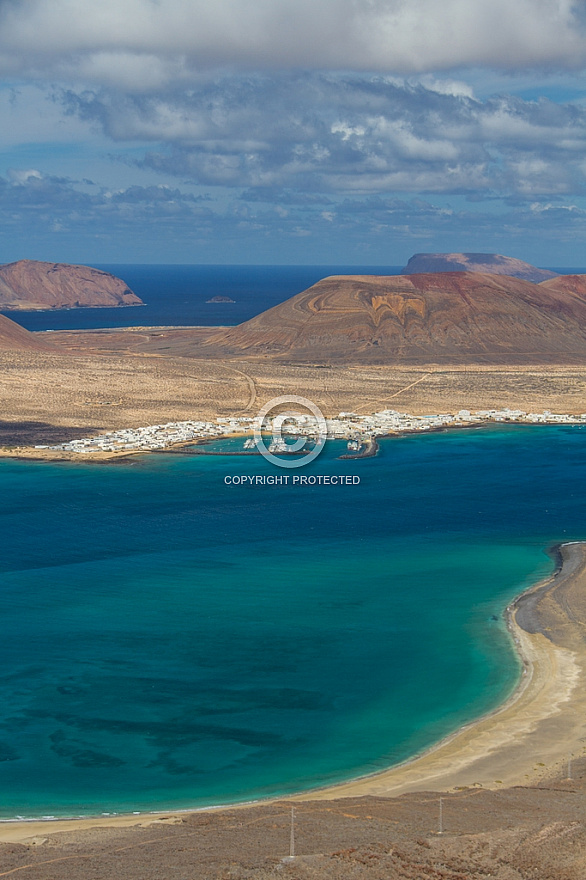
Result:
{"points": [[352, 132]]}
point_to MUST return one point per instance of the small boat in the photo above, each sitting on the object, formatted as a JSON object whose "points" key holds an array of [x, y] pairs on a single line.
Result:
{"points": [[250, 443], [354, 445], [278, 446]]}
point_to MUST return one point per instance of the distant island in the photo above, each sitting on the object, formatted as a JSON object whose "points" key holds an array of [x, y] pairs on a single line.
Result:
{"points": [[33, 285], [493, 264], [457, 317]]}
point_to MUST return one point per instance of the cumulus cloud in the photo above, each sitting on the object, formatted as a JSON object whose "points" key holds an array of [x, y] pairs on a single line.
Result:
{"points": [[137, 44], [333, 133], [53, 218], [312, 120], [23, 175], [30, 200]]}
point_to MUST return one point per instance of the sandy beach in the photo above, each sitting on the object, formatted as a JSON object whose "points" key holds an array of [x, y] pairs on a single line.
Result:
{"points": [[540, 727], [522, 743]]}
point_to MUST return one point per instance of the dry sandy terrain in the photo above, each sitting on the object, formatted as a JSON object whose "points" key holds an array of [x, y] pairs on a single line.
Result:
{"points": [[515, 834], [48, 397]]}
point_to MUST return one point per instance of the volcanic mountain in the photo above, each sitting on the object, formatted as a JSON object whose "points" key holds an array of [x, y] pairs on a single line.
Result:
{"points": [[29, 284], [495, 264], [14, 336], [452, 317]]}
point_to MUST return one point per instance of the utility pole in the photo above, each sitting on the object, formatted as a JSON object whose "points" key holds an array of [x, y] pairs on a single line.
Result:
{"points": [[291, 856], [569, 766], [292, 842], [441, 816]]}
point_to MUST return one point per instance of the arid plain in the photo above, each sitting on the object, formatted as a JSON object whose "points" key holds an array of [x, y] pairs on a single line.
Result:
{"points": [[100, 381]]}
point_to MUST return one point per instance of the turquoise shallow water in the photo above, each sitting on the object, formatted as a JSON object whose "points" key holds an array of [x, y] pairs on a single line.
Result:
{"points": [[170, 641]]}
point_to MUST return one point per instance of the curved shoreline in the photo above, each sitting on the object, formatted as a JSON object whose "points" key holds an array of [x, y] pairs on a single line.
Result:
{"points": [[542, 723], [527, 738]]}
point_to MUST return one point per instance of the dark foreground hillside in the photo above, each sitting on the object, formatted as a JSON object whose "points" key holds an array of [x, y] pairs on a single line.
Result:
{"points": [[514, 834]]}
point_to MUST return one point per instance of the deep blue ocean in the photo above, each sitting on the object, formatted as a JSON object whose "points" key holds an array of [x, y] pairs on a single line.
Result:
{"points": [[167, 640], [178, 295], [172, 641]]}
